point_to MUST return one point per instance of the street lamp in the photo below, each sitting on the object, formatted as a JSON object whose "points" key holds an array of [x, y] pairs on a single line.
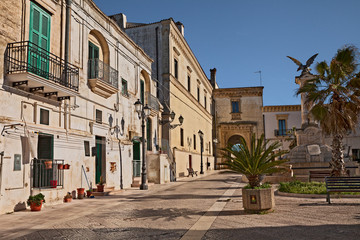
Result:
{"points": [[117, 130], [215, 141], [172, 117], [201, 135], [143, 113]]}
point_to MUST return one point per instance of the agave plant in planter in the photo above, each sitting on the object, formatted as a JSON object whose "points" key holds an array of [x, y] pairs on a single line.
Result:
{"points": [[255, 161], [35, 202]]}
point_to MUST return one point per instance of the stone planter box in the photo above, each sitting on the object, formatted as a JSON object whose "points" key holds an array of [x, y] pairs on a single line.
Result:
{"points": [[257, 200]]}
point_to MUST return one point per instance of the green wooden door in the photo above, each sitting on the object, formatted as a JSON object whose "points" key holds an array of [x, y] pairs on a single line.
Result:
{"points": [[39, 41], [148, 135], [98, 158], [136, 159], [93, 63], [142, 92]]}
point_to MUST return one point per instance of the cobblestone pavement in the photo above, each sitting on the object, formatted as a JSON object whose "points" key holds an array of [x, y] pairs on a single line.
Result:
{"points": [[203, 208]]}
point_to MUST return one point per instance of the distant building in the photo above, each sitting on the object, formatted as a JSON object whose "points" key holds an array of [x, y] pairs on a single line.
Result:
{"points": [[238, 114], [281, 122], [182, 87]]}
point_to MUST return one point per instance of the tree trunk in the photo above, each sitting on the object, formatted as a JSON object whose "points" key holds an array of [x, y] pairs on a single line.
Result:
{"points": [[254, 180], [337, 162]]}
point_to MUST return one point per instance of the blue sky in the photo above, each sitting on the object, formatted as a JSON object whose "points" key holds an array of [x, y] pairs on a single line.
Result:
{"points": [[241, 37]]}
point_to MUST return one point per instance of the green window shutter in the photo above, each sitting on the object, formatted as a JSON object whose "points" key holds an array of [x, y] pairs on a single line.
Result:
{"points": [[142, 93], [40, 36]]}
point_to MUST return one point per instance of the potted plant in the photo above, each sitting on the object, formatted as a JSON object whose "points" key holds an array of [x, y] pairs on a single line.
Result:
{"points": [[35, 202], [100, 185], [88, 192], [68, 197], [48, 164], [66, 166], [255, 161], [60, 166], [80, 193]]}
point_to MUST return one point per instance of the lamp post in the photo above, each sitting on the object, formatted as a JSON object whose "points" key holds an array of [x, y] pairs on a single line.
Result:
{"points": [[143, 113], [215, 141], [201, 135], [117, 131]]}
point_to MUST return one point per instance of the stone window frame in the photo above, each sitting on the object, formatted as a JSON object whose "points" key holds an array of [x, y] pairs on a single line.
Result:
{"points": [[284, 117], [235, 115]]}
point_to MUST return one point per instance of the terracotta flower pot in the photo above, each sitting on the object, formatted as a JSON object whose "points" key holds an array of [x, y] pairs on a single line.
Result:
{"points": [[48, 164], [80, 193], [60, 166], [100, 188], [35, 207], [88, 193], [67, 199], [66, 166]]}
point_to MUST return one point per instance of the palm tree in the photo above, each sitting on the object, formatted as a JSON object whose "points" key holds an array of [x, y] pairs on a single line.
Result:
{"points": [[333, 99], [255, 160]]}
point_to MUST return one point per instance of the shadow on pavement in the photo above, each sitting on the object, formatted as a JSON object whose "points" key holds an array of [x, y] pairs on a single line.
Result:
{"points": [[348, 232]]}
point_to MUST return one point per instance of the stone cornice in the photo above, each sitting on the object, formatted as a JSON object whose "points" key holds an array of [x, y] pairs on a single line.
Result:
{"points": [[238, 92], [282, 108]]}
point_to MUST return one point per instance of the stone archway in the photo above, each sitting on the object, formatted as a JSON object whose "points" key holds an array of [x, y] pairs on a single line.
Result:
{"points": [[99, 40], [234, 139]]}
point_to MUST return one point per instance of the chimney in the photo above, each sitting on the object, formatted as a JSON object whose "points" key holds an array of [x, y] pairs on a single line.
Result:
{"points": [[180, 26], [120, 20], [213, 77]]}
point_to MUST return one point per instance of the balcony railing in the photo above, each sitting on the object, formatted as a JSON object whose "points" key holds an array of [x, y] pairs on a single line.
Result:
{"points": [[283, 132], [22, 57], [97, 69], [46, 173], [152, 102]]}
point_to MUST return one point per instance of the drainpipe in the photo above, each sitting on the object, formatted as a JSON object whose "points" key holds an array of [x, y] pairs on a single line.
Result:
{"points": [[1, 167]]}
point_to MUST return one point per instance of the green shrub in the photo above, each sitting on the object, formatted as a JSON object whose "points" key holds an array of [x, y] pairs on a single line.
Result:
{"points": [[303, 187], [36, 199]]}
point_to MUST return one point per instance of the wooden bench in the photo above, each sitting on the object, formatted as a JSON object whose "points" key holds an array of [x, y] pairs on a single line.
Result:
{"points": [[341, 184], [319, 175], [191, 172]]}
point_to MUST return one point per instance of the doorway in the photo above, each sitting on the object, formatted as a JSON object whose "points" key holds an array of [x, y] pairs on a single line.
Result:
{"points": [[100, 158], [190, 161], [43, 173], [136, 159]]}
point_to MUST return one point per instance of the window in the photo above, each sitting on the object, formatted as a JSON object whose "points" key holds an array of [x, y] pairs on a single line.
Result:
{"points": [[205, 102], [198, 94], [356, 154], [194, 142], [39, 34], [93, 64], [282, 127], [175, 68], [181, 137], [98, 117], [87, 148], [235, 107], [44, 116], [189, 84], [124, 88], [209, 148]]}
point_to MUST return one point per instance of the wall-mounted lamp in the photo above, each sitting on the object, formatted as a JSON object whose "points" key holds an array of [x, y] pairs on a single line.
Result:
{"points": [[172, 117]]}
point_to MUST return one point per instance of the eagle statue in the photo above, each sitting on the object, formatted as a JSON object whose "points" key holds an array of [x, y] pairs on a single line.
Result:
{"points": [[305, 68]]}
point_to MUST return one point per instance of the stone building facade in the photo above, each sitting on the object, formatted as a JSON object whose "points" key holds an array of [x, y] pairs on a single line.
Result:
{"points": [[238, 114], [183, 88], [280, 122], [64, 98]]}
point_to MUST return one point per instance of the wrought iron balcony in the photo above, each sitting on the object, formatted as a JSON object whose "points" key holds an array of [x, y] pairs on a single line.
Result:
{"points": [[103, 79], [283, 132], [28, 64], [47, 173], [153, 102]]}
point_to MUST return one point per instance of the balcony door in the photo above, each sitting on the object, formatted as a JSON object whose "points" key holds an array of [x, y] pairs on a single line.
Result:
{"points": [[39, 41], [136, 159], [93, 63], [44, 173]]}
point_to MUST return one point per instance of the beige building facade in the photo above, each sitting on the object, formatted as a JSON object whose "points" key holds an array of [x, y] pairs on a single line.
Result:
{"points": [[183, 89], [238, 114], [67, 98]]}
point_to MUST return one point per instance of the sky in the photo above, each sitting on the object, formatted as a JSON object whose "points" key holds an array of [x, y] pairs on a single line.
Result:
{"points": [[241, 37]]}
